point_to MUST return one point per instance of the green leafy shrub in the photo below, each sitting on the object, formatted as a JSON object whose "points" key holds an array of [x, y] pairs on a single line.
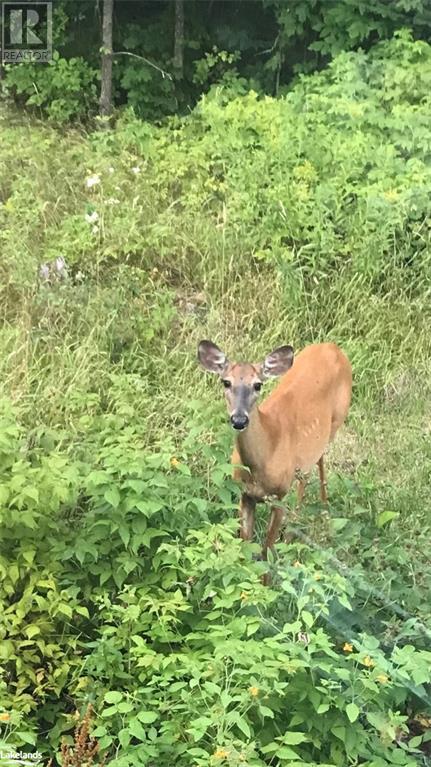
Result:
{"points": [[65, 89], [167, 630]]}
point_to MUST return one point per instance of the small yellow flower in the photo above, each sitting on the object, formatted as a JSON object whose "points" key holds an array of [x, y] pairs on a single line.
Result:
{"points": [[382, 678], [297, 564], [244, 596], [175, 461], [355, 110], [4, 716], [347, 647], [317, 576], [221, 753], [302, 192], [368, 661], [391, 195], [305, 171], [254, 691]]}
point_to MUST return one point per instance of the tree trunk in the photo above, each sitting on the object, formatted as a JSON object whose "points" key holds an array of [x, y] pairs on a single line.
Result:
{"points": [[105, 104], [179, 38]]}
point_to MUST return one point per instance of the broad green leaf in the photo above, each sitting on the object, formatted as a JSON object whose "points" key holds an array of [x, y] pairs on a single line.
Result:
{"points": [[286, 753], [293, 738], [241, 723], [112, 496], [307, 618], [32, 631], [339, 522], [137, 730], [386, 516], [352, 712], [110, 711], [147, 717]]}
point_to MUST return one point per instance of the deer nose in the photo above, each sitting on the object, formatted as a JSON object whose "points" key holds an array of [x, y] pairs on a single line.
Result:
{"points": [[239, 421]]}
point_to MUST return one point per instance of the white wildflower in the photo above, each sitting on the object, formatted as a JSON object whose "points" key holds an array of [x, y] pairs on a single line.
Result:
{"points": [[91, 218], [136, 169], [92, 181], [44, 272], [61, 266]]}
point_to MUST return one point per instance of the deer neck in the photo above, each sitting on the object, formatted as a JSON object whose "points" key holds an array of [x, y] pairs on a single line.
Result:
{"points": [[256, 442]]}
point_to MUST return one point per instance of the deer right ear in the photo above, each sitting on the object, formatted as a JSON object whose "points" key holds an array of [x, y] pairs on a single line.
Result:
{"points": [[211, 357]]}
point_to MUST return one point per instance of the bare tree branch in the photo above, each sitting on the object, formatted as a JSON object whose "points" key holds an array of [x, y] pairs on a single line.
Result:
{"points": [[147, 61]]}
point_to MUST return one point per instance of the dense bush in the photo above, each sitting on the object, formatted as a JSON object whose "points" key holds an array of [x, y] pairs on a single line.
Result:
{"points": [[260, 48], [66, 88], [123, 583], [111, 598]]}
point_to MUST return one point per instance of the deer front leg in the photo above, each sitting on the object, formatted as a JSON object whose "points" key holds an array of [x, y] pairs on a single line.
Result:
{"points": [[246, 514], [272, 535]]}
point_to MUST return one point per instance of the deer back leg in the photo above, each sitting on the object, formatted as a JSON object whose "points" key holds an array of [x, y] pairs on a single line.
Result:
{"points": [[323, 483]]}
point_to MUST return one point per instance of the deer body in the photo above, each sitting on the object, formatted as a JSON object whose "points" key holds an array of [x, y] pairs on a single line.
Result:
{"points": [[290, 431]]}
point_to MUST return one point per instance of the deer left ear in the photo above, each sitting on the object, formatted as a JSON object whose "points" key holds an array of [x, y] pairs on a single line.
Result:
{"points": [[278, 362]]}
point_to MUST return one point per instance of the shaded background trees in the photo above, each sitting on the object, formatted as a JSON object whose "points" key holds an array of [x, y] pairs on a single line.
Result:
{"points": [[241, 44]]}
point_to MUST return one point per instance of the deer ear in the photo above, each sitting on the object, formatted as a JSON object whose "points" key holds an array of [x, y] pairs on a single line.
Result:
{"points": [[278, 362], [211, 357]]}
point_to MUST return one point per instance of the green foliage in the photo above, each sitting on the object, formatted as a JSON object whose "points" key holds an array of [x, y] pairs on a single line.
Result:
{"points": [[149, 91], [326, 186], [168, 632], [65, 88], [259, 47], [341, 25], [123, 583]]}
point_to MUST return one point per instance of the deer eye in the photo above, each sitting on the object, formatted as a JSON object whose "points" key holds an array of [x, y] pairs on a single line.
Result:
{"points": [[257, 386], [227, 384]]}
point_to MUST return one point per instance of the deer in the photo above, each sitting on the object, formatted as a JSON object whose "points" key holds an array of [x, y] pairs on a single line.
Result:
{"points": [[284, 436]]}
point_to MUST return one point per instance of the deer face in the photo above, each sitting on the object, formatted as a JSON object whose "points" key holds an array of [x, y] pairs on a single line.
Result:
{"points": [[242, 381]]}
